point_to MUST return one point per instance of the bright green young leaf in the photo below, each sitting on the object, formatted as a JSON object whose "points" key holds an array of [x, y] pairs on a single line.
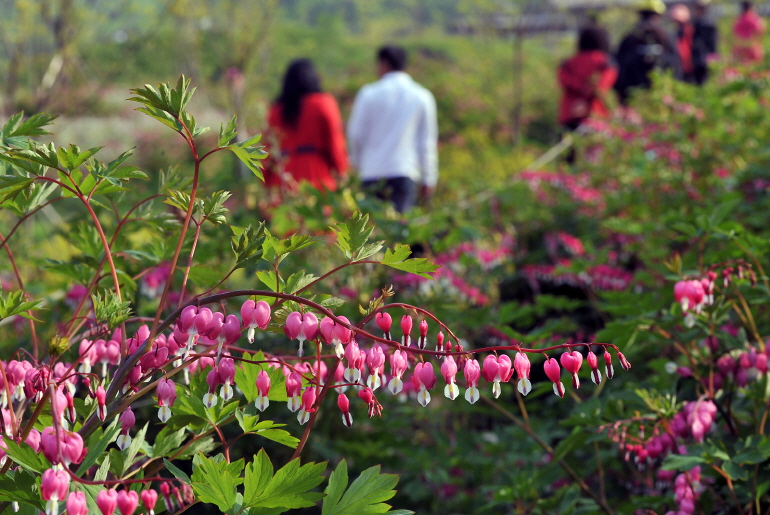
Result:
{"points": [[13, 303], [397, 258], [366, 495], [353, 234], [215, 481], [71, 158], [248, 245], [287, 489], [110, 309], [227, 133], [44, 155], [250, 154]]}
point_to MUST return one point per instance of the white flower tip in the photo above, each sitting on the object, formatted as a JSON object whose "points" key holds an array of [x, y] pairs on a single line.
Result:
{"points": [[261, 403], [472, 395], [294, 403], [558, 389], [210, 400], [164, 413], [423, 397], [451, 391], [347, 419], [395, 386], [226, 392], [250, 335], [123, 442], [339, 350], [303, 416], [496, 390], [596, 376], [525, 386]]}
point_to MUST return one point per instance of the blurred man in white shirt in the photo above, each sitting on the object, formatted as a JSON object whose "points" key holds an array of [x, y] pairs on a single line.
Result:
{"points": [[393, 134]]}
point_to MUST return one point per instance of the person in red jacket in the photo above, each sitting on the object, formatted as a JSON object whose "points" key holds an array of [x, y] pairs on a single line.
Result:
{"points": [[307, 127], [585, 78]]}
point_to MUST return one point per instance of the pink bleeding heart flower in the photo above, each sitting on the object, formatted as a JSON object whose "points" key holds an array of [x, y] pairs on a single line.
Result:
{"points": [[496, 369], [553, 371], [149, 499], [54, 487], [166, 391], [127, 421], [308, 399], [608, 369], [301, 327], [255, 314], [76, 504], [472, 373], [424, 378], [384, 322], [263, 389], [128, 500], [355, 358], [593, 364], [107, 501], [336, 333], [376, 362], [571, 361], [293, 390], [366, 395], [522, 366], [423, 340], [439, 341], [398, 364], [344, 405], [449, 371], [406, 329]]}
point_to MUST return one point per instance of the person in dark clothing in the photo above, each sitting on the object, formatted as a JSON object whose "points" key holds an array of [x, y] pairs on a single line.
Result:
{"points": [[704, 42], [646, 48]]}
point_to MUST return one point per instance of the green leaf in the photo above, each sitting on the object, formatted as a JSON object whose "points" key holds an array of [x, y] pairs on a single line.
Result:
{"points": [[227, 133], [250, 154], [296, 282], [97, 444], [365, 496], [680, 462], [396, 258], [13, 303], [287, 489], [215, 481], [168, 441], [104, 469], [20, 486], [266, 429], [44, 155], [136, 443], [213, 207], [71, 158], [735, 471], [11, 186], [33, 126], [176, 472], [26, 456], [353, 234], [248, 245], [368, 250], [110, 309]]}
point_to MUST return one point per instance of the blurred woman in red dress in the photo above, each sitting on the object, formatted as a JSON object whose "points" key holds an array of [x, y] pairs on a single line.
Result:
{"points": [[306, 125], [749, 29]]}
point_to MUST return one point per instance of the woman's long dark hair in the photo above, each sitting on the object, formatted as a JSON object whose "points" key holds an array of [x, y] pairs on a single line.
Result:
{"points": [[301, 79]]}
